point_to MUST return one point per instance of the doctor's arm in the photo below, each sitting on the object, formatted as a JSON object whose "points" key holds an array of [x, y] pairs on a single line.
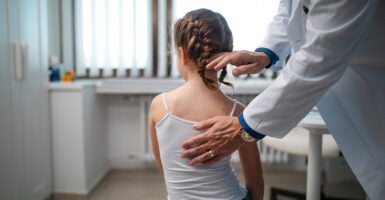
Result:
{"points": [[330, 42]]}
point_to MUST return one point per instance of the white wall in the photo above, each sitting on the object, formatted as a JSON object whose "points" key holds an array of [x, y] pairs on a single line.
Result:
{"points": [[60, 37], [124, 126], [54, 28], [123, 131]]}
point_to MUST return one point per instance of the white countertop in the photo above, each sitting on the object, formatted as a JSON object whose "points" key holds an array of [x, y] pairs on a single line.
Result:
{"points": [[69, 86], [153, 86]]}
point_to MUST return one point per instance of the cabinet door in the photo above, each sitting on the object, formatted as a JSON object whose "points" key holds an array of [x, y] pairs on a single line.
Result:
{"points": [[29, 99], [7, 159]]}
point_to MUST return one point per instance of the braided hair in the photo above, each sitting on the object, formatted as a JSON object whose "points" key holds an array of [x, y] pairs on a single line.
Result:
{"points": [[203, 33]]}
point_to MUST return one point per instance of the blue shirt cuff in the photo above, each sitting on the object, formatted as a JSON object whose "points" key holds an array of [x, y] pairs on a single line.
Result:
{"points": [[247, 128], [273, 57]]}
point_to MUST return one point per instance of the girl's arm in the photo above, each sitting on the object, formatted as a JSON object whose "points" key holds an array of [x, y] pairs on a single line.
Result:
{"points": [[155, 146], [154, 138], [252, 170], [251, 166]]}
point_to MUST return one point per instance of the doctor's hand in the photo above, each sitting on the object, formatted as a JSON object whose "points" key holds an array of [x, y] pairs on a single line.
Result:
{"points": [[221, 139], [247, 62]]}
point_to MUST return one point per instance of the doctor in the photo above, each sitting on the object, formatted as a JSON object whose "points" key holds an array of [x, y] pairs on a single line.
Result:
{"points": [[338, 61]]}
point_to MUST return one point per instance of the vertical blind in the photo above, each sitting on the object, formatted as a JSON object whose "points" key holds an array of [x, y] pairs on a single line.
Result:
{"points": [[113, 35], [117, 35]]}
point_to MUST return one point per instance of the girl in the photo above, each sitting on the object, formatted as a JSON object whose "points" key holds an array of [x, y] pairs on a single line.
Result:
{"points": [[198, 36]]}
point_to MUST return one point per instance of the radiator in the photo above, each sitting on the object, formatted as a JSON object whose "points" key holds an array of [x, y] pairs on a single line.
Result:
{"points": [[268, 155]]}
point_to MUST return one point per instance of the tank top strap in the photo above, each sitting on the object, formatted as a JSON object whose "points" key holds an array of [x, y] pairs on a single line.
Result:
{"points": [[234, 107], [164, 101]]}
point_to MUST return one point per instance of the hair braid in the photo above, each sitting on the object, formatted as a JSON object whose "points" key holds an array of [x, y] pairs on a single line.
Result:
{"points": [[203, 33], [222, 76]]}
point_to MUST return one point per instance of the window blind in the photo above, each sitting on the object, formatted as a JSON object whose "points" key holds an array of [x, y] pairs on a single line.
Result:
{"points": [[113, 38]]}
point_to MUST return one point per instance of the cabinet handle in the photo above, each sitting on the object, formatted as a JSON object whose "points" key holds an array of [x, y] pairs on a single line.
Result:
{"points": [[20, 52], [17, 62], [25, 60]]}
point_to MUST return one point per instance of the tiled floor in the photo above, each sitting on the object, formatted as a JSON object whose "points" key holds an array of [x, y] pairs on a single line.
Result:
{"points": [[147, 184]]}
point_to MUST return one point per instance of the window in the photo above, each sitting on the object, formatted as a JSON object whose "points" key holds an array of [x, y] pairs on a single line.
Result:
{"points": [[129, 38], [113, 38]]}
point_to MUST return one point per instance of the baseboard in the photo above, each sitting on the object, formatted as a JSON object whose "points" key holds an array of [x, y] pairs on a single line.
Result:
{"points": [[82, 192], [59, 196]]}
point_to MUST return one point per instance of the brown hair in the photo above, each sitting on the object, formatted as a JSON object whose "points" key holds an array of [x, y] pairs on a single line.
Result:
{"points": [[202, 33]]}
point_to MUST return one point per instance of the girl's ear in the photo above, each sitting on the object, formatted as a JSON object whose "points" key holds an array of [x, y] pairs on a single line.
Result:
{"points": [[183, 55]]}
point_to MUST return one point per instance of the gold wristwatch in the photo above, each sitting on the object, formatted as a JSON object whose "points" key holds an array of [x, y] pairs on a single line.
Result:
{"points": [[246, 136]]}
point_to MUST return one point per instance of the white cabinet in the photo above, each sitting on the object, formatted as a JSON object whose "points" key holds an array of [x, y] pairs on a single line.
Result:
{"points": [[25, 160], [79, 137]]}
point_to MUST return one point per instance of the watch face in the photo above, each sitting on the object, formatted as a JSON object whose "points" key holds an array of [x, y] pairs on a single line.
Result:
{"points": [[247, 137]]}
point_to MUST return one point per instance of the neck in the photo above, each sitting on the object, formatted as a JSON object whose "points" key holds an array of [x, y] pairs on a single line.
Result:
{"points": [[194, 80]]}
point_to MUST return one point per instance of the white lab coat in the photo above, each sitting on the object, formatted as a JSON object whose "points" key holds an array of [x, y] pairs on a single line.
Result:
{"points": [[338, 60]]}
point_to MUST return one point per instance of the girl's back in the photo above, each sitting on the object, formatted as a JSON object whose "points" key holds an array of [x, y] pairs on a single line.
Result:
{"points": [[198, 103], [184, 181]]}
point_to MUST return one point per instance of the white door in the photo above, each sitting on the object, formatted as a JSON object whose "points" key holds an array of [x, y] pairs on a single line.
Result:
{"points": [[24, 98], [7, 159]]}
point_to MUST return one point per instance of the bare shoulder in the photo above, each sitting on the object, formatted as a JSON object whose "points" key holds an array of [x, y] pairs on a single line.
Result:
{"points": [[157, 110], [156, 101]]}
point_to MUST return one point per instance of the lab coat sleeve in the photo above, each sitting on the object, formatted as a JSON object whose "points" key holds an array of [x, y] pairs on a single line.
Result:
{"points": [[334, 30], [277, 40]]}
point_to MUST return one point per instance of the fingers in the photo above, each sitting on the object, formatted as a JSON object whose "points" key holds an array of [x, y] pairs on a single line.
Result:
{"points": [[194, 150], [209, 155], [219, 61], [222, 63], [197, 141], [205, 124], [219, 140], [247, 69], [213, 160], [237, 72]]}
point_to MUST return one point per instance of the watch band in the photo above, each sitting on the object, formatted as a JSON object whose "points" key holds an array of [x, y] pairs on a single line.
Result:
{"points": [[254, 134]]}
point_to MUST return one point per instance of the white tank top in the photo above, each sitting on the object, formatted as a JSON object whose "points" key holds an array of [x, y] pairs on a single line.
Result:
{"points": [[183, 181]]}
